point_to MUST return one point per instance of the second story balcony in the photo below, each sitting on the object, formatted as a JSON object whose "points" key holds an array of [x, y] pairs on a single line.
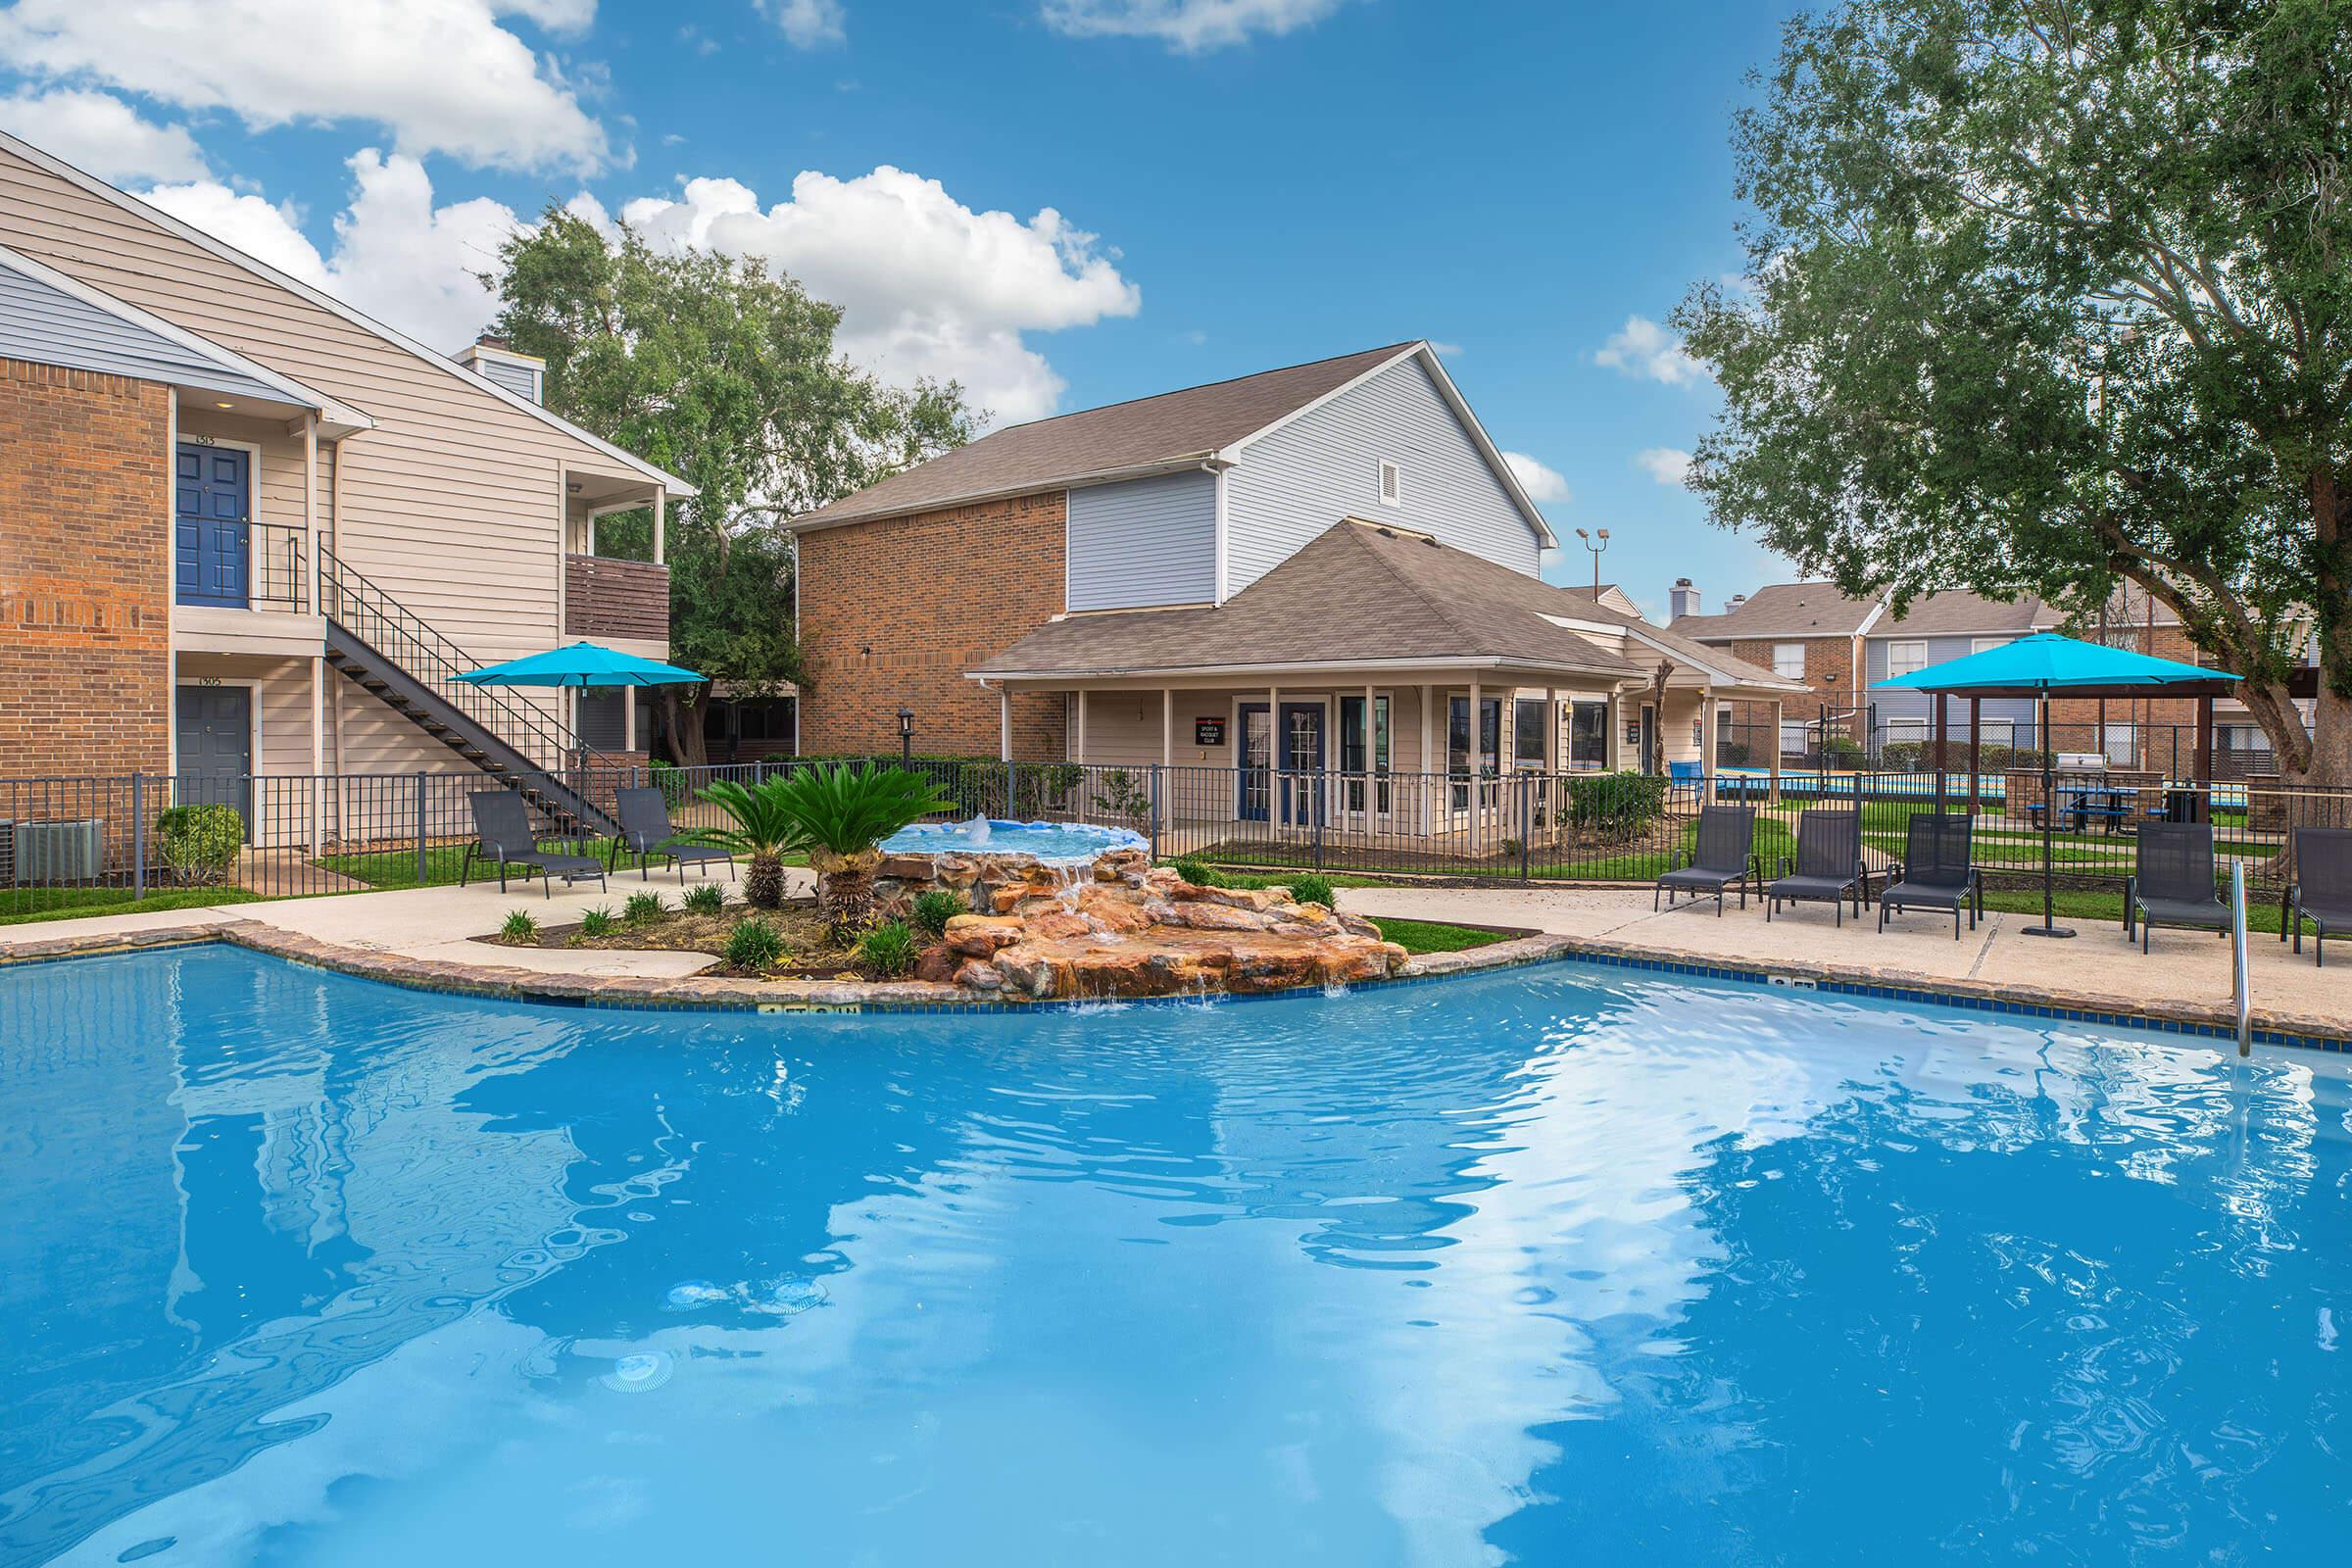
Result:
{"points": [[607, 598]]}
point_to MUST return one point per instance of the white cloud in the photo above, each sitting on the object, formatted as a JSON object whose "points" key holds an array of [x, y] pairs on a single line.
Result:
{"points": [[927, 286], [1446, 350], [100, 135], [1668, 466], [1543, 485], [1192, 26], [1648, 352], [397, 256], [807, 24], [441, 75]]}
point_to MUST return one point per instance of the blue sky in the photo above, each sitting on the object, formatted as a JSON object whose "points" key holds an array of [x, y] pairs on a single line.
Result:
{"points": [[1061, 202]]}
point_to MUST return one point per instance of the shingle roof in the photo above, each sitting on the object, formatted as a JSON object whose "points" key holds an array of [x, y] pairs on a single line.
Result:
{"points": [[1121, 437], [1359, 593], [1783, 609], [1957, 611]]}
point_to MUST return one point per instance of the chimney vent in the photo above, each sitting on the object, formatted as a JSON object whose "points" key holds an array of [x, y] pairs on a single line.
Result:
{"points": [[493, 360]]}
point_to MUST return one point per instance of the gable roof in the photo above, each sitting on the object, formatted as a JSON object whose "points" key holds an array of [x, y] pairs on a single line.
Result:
{"points": [[1956, 612], [1199, 427], [1783, 610], [1359, 594], [49, 318], [327, 301]]}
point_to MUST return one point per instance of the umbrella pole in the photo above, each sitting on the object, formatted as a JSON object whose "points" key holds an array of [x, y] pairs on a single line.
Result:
{"points": [[2049, 926]]}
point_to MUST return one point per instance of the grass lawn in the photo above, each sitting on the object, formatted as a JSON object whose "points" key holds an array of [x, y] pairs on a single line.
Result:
{"points": [[1430, 936], [2091, 909], [24, 905], [397, 869]]}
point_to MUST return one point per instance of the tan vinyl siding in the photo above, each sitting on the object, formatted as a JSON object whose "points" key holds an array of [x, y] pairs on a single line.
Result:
{"points": [[454, 501]]}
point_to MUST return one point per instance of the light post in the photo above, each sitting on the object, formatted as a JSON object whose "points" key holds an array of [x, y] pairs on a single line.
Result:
{"points": [[1595, 549], [906, 737]]}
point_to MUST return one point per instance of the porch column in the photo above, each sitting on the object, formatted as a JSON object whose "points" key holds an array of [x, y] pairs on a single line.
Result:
{"points": [[1772, 793], [1429, 701], [1551, 758], [1371, 761], [661, 529], [1706, 740], [1478, 757], [1167, 726], [628, 719], [1004, 726], [309, 518], [1080, 757], [318, 745]]}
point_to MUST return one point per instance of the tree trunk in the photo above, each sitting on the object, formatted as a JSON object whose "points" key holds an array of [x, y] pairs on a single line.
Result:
{"points": [[844, 889], [764, 882], [682, 727]]}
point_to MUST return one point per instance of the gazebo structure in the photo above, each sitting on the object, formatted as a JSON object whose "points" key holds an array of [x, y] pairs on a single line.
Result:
{"points": [[2040, 666]]}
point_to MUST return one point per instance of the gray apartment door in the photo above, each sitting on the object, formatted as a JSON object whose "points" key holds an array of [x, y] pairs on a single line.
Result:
{"points": [[216, 747]]}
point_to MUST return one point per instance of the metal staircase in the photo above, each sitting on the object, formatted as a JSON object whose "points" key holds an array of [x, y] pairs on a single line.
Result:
{"points": [[393, 653]]}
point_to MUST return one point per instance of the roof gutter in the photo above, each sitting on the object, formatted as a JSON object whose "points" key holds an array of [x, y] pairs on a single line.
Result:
{"points": [[1209, 460], [1407, 665]]}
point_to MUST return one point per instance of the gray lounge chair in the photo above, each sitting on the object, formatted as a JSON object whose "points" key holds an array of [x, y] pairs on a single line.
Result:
{"points": [[2173, 882], [1828, 865], [646, 832], [502, 823], [2321, 892], [1937, 871], [1725, 854]]}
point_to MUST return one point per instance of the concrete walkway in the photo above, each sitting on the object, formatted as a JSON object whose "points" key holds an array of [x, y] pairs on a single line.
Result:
{"points": [[436, 924], [2182, 967]]}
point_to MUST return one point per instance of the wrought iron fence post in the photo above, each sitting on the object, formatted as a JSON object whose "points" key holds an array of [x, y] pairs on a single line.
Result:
{"points": [[421, 830], [1527, 825], [1317, 809], [138, 837], [1155, 814]]}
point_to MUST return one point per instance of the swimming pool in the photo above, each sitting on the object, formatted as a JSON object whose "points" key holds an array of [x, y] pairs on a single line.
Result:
{"points": [[1554, 1266]]}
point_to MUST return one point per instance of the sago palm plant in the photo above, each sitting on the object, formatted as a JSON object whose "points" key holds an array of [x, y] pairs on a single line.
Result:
{"points": [[840, 815], [763, 829]]}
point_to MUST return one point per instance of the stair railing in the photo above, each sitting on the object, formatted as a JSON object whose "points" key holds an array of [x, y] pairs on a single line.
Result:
{"points": [[383, 623]]}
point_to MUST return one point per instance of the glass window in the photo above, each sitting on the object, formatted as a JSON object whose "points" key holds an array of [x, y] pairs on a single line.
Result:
{"points": [[1351, 747], [1986, 645], [1788, 660], [1796, 737], [1527, 730], [1905, 659], [1490, 735], [1589, 735], [1457, 749]]}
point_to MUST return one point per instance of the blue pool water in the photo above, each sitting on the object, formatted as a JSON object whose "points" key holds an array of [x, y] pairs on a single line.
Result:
{"points": [[1059, 843], [1554, 1266]]}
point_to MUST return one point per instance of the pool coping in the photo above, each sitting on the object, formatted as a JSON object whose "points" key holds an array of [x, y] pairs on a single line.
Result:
{"points": [[714, 993]]}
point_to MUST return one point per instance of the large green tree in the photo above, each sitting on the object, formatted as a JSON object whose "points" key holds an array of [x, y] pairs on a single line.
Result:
{"points": [[725, 373], [2047, 295]]}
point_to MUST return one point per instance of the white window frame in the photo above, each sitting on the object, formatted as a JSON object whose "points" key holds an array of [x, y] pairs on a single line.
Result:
{"points": [[1388, 482], [1986, 645], [1895, 667], [1779, 649]]}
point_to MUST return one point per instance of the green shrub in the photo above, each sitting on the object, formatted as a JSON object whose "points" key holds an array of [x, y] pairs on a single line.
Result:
{"points": [[519, 925], [705, 898], [671, 781], [199, 844], [643, 909], [1123, 794], [597, 924], [934, 907], [889, 949], [1902, 756], [1200, 874], [754, 945], [1843, 751], [1614, 805], [1313, 889]]}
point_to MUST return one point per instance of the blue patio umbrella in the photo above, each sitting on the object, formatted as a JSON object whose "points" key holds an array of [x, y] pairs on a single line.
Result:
{"points": [[2036, 667], [581, 665]]}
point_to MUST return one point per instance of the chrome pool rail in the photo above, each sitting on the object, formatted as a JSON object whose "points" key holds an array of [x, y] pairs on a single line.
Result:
{"points": [[2241, 984]]}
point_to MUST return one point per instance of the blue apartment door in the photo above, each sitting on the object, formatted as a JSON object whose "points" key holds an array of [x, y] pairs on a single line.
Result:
{"points": [[216, 747], [1280, 765], [210, 500]]}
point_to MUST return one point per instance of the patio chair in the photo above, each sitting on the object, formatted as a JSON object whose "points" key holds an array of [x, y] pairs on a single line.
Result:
{"points": [[1828, 865], [1725, 854], [2173, 882], [502, 824], [1937, 871], [646, 832], [2321, 892]]}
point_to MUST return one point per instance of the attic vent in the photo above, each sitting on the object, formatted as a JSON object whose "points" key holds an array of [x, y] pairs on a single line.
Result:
{"points": [[1391, 484]]}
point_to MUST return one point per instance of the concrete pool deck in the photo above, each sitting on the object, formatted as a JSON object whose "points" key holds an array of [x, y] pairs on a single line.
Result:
{"points": [[424, 936]]}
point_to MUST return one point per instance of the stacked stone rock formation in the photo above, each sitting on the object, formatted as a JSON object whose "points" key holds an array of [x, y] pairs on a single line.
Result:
{"points": [[1122, 927]]}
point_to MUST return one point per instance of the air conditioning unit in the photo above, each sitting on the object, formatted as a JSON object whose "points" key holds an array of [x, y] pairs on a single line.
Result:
{"points": [[71, 850]]}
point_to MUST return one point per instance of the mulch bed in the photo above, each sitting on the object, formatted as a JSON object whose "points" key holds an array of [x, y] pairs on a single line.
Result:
{"points": [[810, 953]]}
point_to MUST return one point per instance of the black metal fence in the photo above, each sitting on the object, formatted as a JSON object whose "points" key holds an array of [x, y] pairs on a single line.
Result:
{"points": [[94, 845], [1848, 737]]}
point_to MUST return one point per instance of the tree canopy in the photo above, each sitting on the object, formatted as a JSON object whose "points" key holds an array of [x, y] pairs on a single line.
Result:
{"points": [[2049, 295], [725, 373]]}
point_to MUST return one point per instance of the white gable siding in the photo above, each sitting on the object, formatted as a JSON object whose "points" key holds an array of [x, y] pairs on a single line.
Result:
{"points": [[1325, 466], [46, 325], [1145, 542]]}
